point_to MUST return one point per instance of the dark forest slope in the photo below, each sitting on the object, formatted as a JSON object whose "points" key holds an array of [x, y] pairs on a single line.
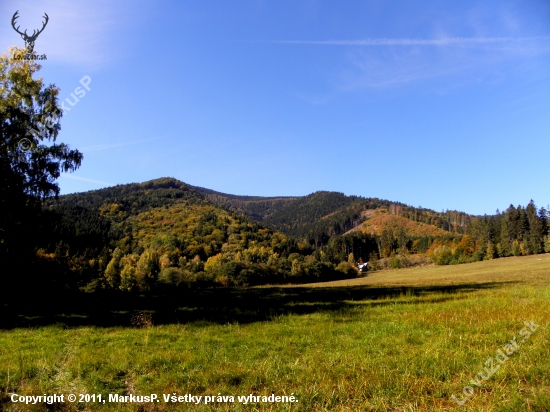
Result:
{"points": [[257, 208], [322, 215]]}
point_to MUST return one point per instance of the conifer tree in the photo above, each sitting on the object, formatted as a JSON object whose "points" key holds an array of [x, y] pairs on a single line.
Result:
{"points": [[536, 237], [505, 243], [543, 218], [30, 157]]}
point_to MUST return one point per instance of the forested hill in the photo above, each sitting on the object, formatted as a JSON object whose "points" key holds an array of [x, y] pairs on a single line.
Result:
{"points": [[140, 236], [135, 214], [322, 215], [95, 219], [316, 217], [257, 208], [144, 235], [100, 217]]}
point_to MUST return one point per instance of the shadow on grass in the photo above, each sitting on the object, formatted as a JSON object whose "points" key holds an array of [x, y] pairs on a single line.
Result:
{"points": [[218, 306]]}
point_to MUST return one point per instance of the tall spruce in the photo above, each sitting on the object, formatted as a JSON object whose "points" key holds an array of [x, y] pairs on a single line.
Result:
{"points": [[535, 240], [505, 241]]}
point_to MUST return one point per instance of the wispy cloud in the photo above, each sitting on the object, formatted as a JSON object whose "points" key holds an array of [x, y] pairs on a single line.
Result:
{"points": [[385, 62], [447, 41], [85, 179], [114, 145]]}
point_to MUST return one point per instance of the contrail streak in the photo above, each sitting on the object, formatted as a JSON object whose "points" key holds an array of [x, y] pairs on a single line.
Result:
{"points": [[447, 41]]}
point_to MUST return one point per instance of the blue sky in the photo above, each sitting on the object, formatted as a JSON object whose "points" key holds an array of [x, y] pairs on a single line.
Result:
{"points": [[442, 104]]}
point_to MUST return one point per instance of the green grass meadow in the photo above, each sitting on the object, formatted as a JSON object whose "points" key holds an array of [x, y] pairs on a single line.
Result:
{"points": [[402, 340]]}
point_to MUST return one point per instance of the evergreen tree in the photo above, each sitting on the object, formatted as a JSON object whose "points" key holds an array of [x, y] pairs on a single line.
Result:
{"points": [[490, 252], [523, 223], [535, 239], [30, 158], [543, 218], [513, 222], [505, 242]]}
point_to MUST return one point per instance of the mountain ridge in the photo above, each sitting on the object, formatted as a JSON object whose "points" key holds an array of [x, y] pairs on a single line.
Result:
{"points": [[141, 236], [316, 217], [321, 215]]}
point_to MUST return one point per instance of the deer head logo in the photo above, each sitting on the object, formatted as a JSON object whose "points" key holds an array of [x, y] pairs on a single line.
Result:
{"points": [[29, 40]]}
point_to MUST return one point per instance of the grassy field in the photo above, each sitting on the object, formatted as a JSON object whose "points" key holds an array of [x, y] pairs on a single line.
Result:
{"points": [[403, 340]]}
